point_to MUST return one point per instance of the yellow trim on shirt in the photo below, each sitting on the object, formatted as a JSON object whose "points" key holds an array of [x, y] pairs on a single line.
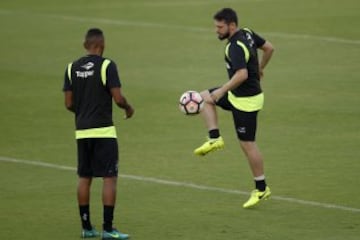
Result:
{"points": [[104, 132], [247, 104], [69, 71], [104, 66], [227, 51], [240, 44], [246, 50]]}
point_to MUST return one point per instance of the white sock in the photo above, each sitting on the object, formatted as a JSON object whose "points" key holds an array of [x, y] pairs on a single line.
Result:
{"points": [[259, 178]]}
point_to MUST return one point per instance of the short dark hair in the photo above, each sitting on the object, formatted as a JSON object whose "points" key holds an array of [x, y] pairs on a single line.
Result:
{"points": [[94, 32], [93, 37], [228, 15]]}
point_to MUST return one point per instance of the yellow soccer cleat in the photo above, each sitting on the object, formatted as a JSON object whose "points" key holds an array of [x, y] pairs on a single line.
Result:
{"points": [[210, 145], [256, 197]]}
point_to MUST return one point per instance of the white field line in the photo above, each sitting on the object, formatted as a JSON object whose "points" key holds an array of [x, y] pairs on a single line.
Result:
{"points": [[175, 4], [186, 185], [204, 30], [191, 3], [179, 27]]}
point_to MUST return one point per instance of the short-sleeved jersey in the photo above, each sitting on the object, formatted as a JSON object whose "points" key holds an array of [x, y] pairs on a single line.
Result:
{"points": [[90, 79], [240, 53]]}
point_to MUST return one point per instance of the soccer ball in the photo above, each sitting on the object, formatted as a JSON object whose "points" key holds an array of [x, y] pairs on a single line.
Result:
{"points": [[191, 103]]}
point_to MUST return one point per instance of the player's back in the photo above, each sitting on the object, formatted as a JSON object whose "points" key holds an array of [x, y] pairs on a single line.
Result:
{"points": [[92, 98]]}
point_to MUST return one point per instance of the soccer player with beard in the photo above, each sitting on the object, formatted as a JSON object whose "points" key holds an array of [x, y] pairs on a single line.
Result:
{"points": [[241, 95]]}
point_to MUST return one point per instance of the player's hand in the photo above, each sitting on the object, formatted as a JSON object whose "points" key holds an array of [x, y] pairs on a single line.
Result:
{"points": [[216, 95], [129, 112]]}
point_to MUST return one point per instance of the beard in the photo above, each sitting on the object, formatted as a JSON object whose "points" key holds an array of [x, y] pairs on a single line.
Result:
{"points": [[224, 36]]}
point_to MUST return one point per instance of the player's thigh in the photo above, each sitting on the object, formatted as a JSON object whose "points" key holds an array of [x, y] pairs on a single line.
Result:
{"points": [[245, 124], [106, 157], [223, 102], [84, 160]]}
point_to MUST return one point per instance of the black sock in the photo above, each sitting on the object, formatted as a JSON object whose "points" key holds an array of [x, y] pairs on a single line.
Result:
{"points": [[214, 133], [85, 217], [108, 218], [260, 185]]}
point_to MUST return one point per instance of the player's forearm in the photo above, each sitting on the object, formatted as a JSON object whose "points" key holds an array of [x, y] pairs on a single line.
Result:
{"points": [[265, 59], [122, 103], [268, 50], [239, 77], [129, 111], [69, 101], [119, 99]]}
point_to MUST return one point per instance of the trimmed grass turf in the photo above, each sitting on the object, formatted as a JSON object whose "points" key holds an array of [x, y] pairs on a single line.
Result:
{"points": [[308, 130]]}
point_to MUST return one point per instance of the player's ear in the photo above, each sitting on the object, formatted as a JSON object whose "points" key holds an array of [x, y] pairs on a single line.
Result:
{"points": [[232, 25], [86, 45]]}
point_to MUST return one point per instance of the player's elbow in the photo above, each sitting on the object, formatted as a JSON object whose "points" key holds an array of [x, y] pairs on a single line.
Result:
{"points": [[268, 48], [69, 107], [271, 50]]}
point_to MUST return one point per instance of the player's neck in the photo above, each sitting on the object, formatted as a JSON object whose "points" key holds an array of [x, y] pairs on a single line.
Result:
{"points": [[233, 32], [97, 53]]}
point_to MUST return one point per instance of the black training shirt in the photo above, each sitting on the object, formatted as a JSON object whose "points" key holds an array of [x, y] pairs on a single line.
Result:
{"points": [[242, 44], [91, 91]]}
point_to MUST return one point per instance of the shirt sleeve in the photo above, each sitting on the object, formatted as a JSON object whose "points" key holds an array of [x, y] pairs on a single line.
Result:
{"points": [[237, 56], [259, 41], [67, 83], [112, 76]]}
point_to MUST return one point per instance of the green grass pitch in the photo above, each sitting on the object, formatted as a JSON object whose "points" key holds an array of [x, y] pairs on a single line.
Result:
{"points": [[309, 129]]}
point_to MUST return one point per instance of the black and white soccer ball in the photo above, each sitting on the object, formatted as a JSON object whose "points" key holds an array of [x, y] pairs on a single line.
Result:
{"points": [[191, 102]]}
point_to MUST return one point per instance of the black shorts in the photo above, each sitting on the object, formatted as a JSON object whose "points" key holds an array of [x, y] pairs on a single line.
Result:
{"points": [[245, 122], [97, 157]]}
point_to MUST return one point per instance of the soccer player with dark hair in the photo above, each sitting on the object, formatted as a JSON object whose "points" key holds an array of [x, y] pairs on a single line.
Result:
{"points": [[241, 95], [91, 84]]}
